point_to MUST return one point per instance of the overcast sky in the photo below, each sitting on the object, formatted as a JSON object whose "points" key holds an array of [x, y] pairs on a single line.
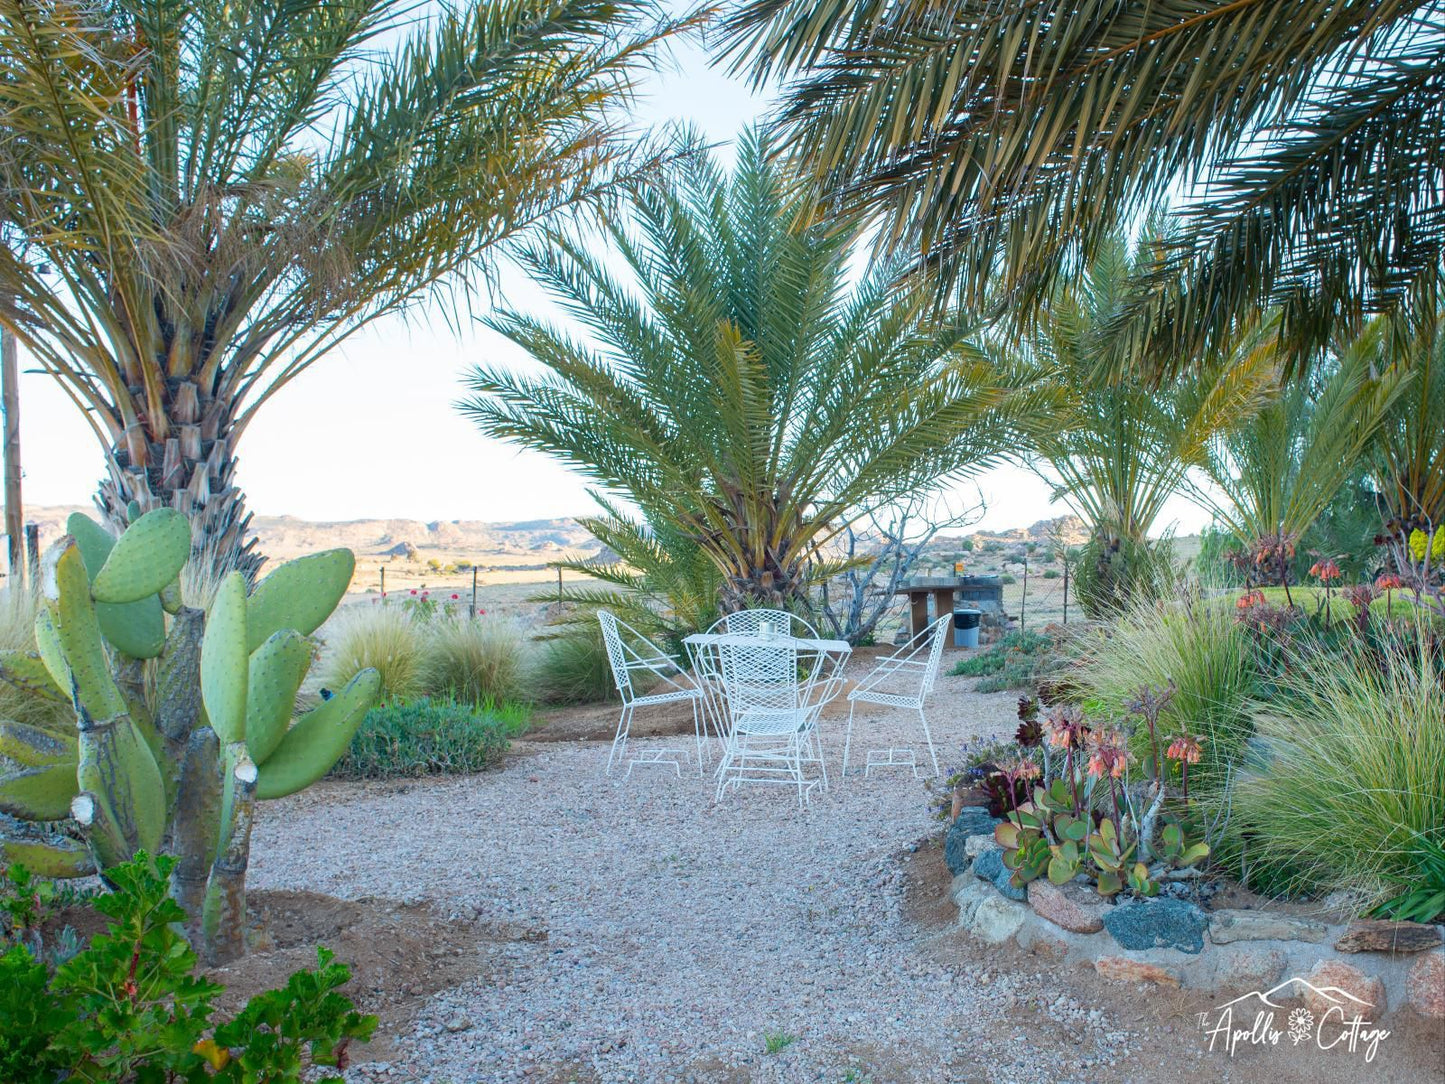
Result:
{"points": [[370, 431]]}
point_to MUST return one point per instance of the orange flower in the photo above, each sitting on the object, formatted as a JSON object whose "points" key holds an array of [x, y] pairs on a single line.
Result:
{"points": [[1326, 570], [1185, 747], [1389, 582], [1108, 755]]}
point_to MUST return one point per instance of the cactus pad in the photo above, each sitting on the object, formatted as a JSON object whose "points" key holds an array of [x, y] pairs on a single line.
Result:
{"points": [[277, 669], [39, 794], [32, 747], [144, 559], [225, 661], [77, 629], [317, 741], [61, 858], [299, 595]]}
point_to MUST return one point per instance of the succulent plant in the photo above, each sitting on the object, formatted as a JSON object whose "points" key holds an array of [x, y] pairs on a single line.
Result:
{"points": [[183, 719]]}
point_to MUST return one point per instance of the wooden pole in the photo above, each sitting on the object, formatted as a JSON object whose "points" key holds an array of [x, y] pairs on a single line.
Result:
{"points": [[383, 581], [474, 592], [10, 406], [1066, 590], [559, 587]]}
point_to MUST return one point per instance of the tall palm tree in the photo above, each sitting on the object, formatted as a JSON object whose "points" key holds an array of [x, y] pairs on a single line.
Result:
{"points": [[1118, 449], [734, 383], [1304, 143], [222, 193], [1274, 475]]}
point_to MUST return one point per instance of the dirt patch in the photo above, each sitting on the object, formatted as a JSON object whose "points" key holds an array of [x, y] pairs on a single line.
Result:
{"points": [[399, 954]]}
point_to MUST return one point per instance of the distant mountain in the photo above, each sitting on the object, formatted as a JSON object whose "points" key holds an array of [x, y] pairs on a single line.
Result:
{"points": [[282, 537]]}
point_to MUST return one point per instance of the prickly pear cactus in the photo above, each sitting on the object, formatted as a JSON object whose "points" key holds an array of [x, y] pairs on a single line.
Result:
{"points": [[183, 719]]}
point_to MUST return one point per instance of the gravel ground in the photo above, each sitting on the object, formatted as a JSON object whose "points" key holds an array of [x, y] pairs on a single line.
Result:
{"points": [[683, 937]]}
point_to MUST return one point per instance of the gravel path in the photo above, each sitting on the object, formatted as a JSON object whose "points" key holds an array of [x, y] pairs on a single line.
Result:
{"points": [[683, 939]]}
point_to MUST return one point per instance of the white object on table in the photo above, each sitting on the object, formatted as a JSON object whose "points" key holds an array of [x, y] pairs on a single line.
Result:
{"points": [[903, 680]]}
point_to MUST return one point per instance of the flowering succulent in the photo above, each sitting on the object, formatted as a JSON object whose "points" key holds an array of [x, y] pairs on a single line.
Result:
{"points": [[1326, 570], [1108, 754], [1184, 748], [1065, 728], [1389, 582]]}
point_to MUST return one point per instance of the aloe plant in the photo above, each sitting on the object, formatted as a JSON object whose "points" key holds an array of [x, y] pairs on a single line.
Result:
{"points": [[183, 718]]}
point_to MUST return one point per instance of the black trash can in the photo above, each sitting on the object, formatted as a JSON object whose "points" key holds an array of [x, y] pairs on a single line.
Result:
{"points": [[965, 626]]}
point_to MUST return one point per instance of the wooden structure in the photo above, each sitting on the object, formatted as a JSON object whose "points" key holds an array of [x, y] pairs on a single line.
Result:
{"points": [[978, 592]]}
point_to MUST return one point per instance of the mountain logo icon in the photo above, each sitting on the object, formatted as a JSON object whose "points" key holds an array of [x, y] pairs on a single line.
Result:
{"points": [[1295, 987]]}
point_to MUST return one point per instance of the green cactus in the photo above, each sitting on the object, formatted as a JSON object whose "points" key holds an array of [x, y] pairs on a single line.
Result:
{"points": [[182, 722]]}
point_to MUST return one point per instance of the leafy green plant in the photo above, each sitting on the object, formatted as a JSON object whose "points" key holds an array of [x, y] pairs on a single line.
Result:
{"points": [[1353, 734], [430, 737], [129, 1009]]}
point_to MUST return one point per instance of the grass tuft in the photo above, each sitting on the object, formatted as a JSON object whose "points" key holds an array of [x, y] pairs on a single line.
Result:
{"points": [[430, 737]]}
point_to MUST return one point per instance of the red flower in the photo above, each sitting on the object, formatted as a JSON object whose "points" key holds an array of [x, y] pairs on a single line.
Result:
{"points": [[1389, 582], [1245, 601], [413, 590], [482, 613], [1326, 570], [455, 595]]}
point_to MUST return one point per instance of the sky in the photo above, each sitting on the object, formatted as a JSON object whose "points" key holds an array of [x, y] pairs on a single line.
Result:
{"points": [[371, 430]]}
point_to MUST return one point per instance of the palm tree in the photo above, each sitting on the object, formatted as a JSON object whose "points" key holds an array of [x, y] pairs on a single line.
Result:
{"points": [[224, 192], [735, 386], [1120, 448], [1410, 454], [1273, 476], [1304, 144]]}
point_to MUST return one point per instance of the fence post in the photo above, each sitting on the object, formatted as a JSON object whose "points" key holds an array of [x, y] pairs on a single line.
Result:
{"points": [[559, 588], [1066, 590], [383, 581], [474, 592], [1024, 598], [32, 551]]}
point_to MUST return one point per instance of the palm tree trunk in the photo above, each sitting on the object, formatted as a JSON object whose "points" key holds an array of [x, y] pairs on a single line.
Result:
{"points": [[191, 467]]}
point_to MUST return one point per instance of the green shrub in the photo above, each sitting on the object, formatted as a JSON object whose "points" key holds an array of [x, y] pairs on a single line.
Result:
{"points": [[475, 660], [1110, 575], [1051, 573], [573, 668], [386, 637], [1350, 773], [430, 737], [1007, 578], [1012, 663], [1195, 645], [129, 1008]]}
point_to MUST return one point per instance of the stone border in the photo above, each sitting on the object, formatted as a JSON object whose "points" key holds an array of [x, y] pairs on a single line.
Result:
{"points": [[1173, 943]]}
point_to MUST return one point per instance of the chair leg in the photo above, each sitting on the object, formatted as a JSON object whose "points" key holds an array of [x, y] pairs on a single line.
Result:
{"points": [[929, 739], [699, 732], [815, 741], [624, 724], [848, 741]]}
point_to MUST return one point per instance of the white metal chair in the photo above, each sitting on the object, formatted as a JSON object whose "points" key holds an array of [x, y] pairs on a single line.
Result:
{"points": [[903, 680], [629, 653], [773, 693]]}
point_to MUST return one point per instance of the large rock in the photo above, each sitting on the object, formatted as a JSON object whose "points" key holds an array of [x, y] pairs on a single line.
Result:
{"points": [[989, 867], [1146, 924], [1250, 968], [1229, 926], [1334, 984], [997, 919], [971, 821], [1050, 902], [1121, 969], [1425, 985], [1382, 935]]}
